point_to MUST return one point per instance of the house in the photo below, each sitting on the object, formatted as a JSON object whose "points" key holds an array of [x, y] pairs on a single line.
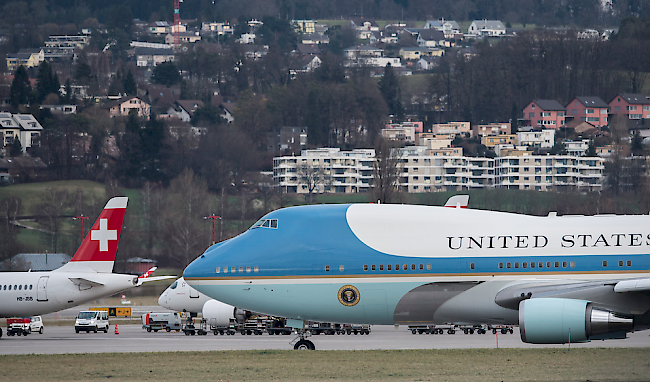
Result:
{"points": [[219, 29], [577, 148], [24, 168], [431, 38], [415, 53], [452, 128], [159, 95], [124, 105], [29, 58], [306, 64], [60, 109], [364, 27], [152, 57], [308, 49], [255, 52], [427, 63], [449, 28], [492, 129], [486, 28], [57, 47], [405, 131], [304, 26], [247, 38], [23, 127], [543, 113], [184, 109], [184, 37], [227, 108], [315, 38], [362, 51], [289, 140], [159, 28], [544, 139], [588, 109], [503, 139], [635, 106]]}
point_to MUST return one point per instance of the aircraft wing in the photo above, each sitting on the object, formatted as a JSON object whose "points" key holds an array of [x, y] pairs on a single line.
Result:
{"points": [[83, 281], [635, 285], [154, 278]]}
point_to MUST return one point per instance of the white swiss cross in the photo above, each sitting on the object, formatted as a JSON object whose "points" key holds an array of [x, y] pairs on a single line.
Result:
{"points": [[103, 235]]}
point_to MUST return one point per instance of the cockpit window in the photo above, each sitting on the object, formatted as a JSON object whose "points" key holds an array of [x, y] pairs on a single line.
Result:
{"points": [[174, 285], [266, 223]]}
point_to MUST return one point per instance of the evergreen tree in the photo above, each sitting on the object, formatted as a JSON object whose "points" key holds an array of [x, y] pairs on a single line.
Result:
{"points": [[591, 150], [130, 86], [166, 73], [47, 82], [68, 92], [16, 148], [636, 145], [390, 89], [20, 88]]}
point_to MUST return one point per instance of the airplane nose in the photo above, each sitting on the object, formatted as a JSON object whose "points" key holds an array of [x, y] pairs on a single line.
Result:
{"points": [[162, 300]]}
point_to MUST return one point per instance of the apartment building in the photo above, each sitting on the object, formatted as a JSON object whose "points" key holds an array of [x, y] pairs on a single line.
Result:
{"points": [[454, 128], [543, 139], [549, 172]]}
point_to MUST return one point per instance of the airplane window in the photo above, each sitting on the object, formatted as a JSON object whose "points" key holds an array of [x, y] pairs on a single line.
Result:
{"points": [[274, 223], [241, 269], [541, 264], [233, 269], [25, 286], [516, 265], [374, 267], [500, 265], [413, 267], [258, 223], [9, 287], [15, 287], [548, 264], [20, 287], [508, 265], [557, 264], [365, 267], [5, 288], [256, 269], [30, 286], [620, 264], [532, 265], [248, 269], [524, 265], [389, 267], [604, 263], [397, 267], [564, 264], [225, 269], [405, 267], [421, 266], [629, 263], [266, 223], [428, 267], [218, 270], [381, 267], [572, 264], [327, 268], [341, 268], [471, 265]]}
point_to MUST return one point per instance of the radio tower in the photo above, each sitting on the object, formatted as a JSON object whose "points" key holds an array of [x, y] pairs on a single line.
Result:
{"points": [[177, 23]]}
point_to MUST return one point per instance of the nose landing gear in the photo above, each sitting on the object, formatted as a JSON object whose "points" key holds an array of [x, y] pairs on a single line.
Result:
{"points": [[301, 342]]}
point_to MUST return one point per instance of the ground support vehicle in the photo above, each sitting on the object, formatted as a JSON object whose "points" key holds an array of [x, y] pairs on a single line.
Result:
{"points": [[191, 329], [161, 321], [432, 329], [91, 321], [470, 329], [229, 329], [277, 326], [18, 326], [255, 325], [326, 328], [504, 329], [355, 329]]}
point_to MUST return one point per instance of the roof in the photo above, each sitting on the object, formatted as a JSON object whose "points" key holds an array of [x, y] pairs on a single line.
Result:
{"points": [[23, 161], [27, 122], [305, 49], [440, 23], [363, 47], [592, 102], [162, 95], [190, 105], [634, 99], [549, 104], [120, 101], [153, 52], [42, 261], [431, 35], [489, 24]]}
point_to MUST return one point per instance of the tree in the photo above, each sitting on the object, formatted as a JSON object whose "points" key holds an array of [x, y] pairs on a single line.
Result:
{"points": [[129, 84], [313, 177], [166, 73], [16, 148], [47, 82], [591, 150], [387, 169], [390, 89], [636, 145], [20, 88], [9, 245]]}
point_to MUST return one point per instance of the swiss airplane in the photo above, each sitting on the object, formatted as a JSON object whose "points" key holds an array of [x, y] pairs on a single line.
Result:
{"points": [[559, 278], [88, 276]]}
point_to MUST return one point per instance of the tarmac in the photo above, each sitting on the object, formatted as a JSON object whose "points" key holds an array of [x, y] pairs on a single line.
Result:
{"points": [[132, 338]]}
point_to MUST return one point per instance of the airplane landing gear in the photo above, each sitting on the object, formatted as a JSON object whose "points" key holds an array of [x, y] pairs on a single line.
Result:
{"points": [[301, 343]]}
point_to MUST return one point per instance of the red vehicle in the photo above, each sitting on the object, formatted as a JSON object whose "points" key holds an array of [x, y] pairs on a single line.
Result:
{"points": [[18, 326]]}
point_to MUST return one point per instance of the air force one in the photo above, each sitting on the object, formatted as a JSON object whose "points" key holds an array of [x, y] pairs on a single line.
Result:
{"points": [[559, 278], [88, 276]]}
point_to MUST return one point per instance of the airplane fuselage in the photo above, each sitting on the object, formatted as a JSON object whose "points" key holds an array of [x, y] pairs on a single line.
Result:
{"points": [[34, 293], [387, 264]]}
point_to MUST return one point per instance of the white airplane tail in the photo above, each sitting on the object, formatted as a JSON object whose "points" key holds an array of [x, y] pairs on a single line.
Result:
{"points": [[98, 249]]}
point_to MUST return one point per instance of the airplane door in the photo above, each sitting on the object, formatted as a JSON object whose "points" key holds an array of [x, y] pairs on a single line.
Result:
{"points": [[41, 289], [193, 293]]}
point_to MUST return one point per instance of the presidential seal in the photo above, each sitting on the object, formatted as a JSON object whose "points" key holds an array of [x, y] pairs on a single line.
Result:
{"points": [[349, 295]]}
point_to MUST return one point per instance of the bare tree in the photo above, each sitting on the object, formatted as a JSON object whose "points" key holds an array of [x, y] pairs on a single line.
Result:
{"points": [[55, 201], [9, 246], [615, 166], [387, 168], [313, 177]]}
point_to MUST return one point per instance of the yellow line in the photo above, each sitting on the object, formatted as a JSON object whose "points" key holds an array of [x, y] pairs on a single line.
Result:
{"points": [[419, 275]]}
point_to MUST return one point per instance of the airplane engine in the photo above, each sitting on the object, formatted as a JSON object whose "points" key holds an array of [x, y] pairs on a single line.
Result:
{"points": [[550, 320], [219, 313]]}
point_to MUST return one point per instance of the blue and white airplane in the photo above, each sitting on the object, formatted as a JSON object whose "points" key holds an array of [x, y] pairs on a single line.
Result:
{"points": [[560, 279]]}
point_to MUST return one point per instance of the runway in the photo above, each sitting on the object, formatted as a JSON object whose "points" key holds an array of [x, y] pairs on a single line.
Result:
{"points": [[132, 338]]}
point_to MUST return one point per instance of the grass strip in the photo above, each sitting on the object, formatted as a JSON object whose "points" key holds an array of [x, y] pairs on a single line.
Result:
{"points": [[612, 364]]}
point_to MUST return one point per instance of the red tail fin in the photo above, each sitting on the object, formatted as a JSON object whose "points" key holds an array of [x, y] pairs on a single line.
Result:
{"points": [[97, 251]]}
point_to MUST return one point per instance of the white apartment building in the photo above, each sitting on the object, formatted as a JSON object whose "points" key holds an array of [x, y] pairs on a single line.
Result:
{"points": [[453, 128], [577, 148], [549, 172], [427, 170], [544, 139], [337, 171]]}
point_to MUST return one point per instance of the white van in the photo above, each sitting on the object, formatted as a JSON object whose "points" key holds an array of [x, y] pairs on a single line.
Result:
{"points": [[94, 320], [36, 324]]}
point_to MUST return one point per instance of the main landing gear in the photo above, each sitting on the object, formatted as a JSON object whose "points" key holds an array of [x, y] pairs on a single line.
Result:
{"points": [[301, 343]]}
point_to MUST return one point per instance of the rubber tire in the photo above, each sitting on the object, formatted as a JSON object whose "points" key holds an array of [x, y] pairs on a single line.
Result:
{"points": [[168, 329], [504, 331], [106, 329], [187, 333], [149, 329], [304, 345], [25, 334], [95, 330], [40, 331]]}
